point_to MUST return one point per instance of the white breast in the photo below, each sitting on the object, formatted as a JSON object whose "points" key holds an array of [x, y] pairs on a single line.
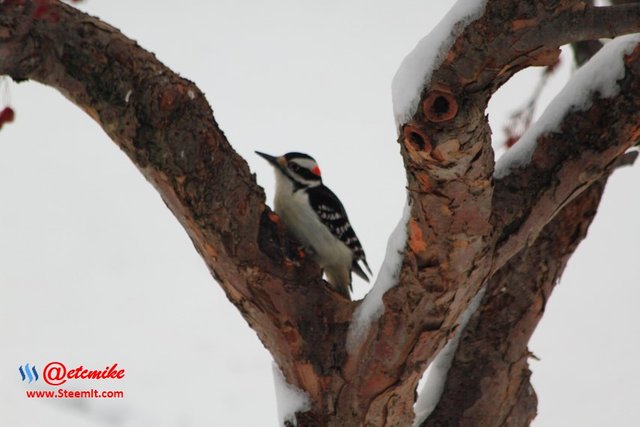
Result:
{"points": [[296, 212]]}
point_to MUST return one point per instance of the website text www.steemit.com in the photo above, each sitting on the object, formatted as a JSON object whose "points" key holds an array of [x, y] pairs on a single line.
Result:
{"points": [[56, 373], [75, 394]]}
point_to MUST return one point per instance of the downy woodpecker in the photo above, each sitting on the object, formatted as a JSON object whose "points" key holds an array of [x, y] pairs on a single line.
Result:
{"points": [[315, 217]]}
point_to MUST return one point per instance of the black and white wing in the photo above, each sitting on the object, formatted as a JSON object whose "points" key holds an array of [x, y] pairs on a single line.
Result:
{"points": [[332, 214]]}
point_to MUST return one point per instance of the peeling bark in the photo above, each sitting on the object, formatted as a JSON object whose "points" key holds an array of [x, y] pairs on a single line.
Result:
{"points": [[465, 230], [488, 383]]}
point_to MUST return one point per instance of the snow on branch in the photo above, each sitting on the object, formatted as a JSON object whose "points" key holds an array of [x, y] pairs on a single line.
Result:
{"points": [[372, 307], [412, 76], [416, 69], [600, 75], [436, 374], [290, 399]]}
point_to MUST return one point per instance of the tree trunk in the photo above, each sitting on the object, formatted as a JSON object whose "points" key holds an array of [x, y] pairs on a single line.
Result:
{"points": [[466, 228]]}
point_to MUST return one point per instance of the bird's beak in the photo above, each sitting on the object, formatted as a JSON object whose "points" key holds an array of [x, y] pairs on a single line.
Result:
{"points": [[277, 162]]}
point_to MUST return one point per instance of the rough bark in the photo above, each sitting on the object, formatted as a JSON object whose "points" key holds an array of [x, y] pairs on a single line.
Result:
{"points": [[488, 383], [166, 127], [465, 229]]}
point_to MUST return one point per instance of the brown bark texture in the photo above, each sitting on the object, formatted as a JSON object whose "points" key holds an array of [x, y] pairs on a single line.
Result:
{"points": [[466, 229]]}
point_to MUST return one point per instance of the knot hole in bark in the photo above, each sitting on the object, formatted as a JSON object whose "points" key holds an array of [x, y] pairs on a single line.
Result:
{"points": [[415, 138], [439, 106]]}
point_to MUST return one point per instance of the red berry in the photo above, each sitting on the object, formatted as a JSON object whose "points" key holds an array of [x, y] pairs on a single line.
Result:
{"points": [[7, 115]]}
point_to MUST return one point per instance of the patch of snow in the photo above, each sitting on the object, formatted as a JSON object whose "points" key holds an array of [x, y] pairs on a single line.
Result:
{"points": [[436, 375], [191, 94], [290, 398], [599, 75], [128, 96], [372, 307], [416, 68]]}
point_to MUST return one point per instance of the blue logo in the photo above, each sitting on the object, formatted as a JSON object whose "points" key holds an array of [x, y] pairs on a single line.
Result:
{"points": [[29, 373]]}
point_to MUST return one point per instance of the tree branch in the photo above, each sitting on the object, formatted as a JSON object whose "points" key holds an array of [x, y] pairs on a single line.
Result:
{"points": [[488, 382], [492, 358], [452, 232], [164, 124], [166, 127], [584, 22], [585, 148], [529, 34]]}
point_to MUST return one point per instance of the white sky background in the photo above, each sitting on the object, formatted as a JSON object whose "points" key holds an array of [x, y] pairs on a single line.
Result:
{"points": [[94, 269]]}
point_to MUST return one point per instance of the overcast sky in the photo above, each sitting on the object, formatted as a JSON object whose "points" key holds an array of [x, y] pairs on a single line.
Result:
{"points": [[95, 270]]}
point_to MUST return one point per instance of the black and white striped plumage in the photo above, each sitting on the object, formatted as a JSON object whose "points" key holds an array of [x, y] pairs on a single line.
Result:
{"points": [[316, 217]]}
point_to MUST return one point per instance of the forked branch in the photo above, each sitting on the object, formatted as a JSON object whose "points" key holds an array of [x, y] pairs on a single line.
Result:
{"points": [[462, 228]]}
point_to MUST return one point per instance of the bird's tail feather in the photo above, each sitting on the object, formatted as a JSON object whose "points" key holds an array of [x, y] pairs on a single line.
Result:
{"points": [[359, 271]]}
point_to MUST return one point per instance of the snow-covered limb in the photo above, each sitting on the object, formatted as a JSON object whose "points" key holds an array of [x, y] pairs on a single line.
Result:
{"points": [[593, 127], [410, 79], [599, 75], [416, 68], [436, 374], [451, 235], [290, 399], [371, 306]]}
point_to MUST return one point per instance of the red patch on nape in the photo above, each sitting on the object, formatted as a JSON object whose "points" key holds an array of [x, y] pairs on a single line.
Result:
{"points": [[316, 170]]}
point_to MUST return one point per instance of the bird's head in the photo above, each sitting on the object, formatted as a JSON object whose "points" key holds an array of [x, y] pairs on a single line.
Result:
{"points": [[300, 168]]}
